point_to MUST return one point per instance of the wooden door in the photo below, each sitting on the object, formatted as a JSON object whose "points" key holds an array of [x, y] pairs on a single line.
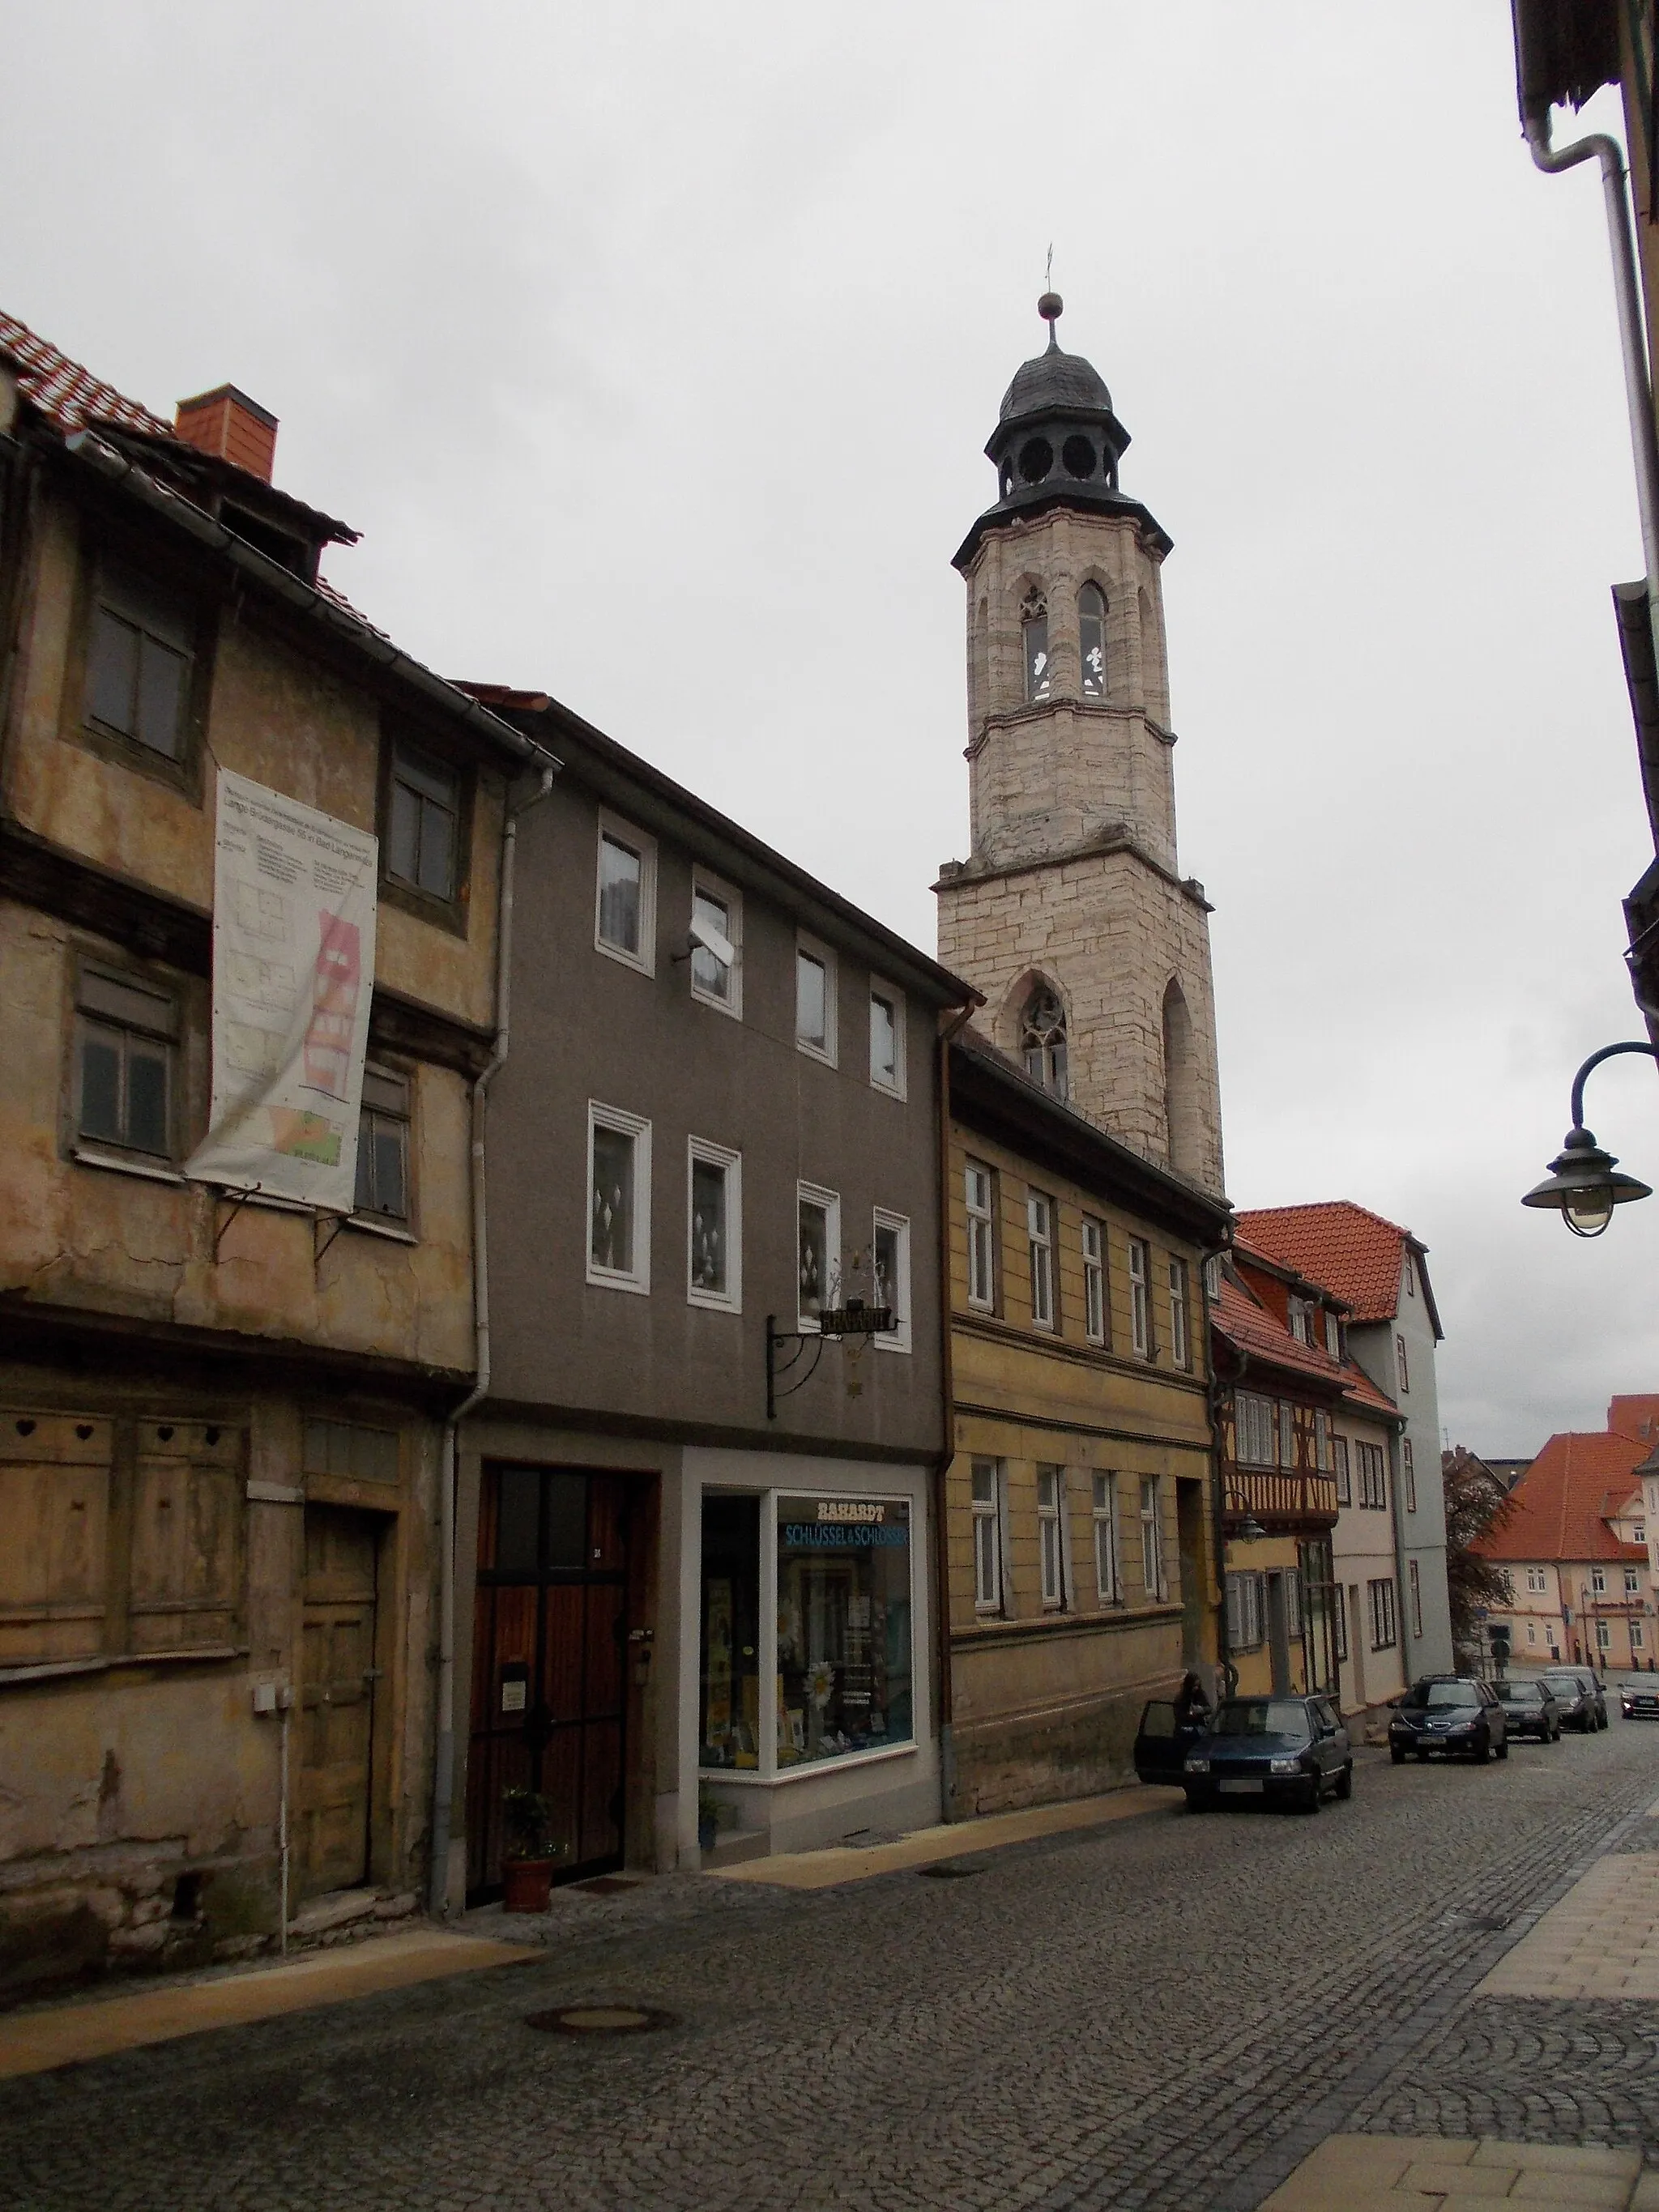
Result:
{"points": [[549, 1664], [332, 1791]]}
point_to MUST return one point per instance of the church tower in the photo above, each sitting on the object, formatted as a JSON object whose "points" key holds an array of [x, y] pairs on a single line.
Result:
{"points": [[1071, 915]]}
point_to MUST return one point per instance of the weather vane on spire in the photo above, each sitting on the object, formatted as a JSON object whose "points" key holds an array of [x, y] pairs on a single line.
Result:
{"points": [[1051, 307]]}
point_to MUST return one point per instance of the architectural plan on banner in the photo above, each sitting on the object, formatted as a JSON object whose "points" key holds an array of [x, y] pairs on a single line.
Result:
{"points": [[294, 904]]}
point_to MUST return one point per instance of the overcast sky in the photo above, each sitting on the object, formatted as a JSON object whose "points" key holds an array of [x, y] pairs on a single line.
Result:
{"points": [[652, 350]]}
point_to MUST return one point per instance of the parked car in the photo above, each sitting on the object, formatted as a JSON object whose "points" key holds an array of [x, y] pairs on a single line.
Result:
{"points": [[1162, 1743], [1281, 1750], [1530, 1709], [1456, 1715], [1638, 1697], [1579, 1693]]}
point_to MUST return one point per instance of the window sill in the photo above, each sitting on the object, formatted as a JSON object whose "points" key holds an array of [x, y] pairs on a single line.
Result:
{"points": [[87, 1156], [391, 1230], [705, 1303], [624, 958], [819, 1053], [599, 1282], [887, 1090], [50, 1670], [747, 1779], [892, 1340], [732, 1011]]}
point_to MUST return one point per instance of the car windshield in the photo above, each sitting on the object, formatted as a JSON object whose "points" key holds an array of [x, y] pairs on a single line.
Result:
{"points": [[1261, 1717], [1637, 1688], [1565, 1685], [1522, 1693], [1439, 1695]]}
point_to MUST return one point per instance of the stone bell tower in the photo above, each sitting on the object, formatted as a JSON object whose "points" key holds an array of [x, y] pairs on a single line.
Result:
{"points": [[1070, 913]]}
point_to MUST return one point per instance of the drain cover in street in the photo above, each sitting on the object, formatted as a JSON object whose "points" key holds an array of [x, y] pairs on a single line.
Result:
{"points": [[949, 1870], [599, 2020]]}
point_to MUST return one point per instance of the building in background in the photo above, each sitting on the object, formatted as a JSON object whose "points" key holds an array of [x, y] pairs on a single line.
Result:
{"points": [[1081, 1537], [1573, 1541], [1379, 1272], [698, 1534], [221, 1414]]}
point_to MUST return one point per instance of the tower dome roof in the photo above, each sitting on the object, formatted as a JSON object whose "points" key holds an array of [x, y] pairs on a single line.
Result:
{"points": [[1055, 383]]}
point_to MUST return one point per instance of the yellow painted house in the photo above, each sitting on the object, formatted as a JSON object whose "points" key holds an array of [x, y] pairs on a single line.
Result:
{"points": [[1080, 1505]]}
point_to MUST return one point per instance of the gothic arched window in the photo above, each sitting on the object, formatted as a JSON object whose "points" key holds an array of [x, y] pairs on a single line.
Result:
{"points": [[1092, 634], [1034, 632], [1043, 1040]]}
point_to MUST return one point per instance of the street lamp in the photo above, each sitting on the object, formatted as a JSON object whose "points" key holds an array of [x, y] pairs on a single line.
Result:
{"points": [[1583, 1184]]}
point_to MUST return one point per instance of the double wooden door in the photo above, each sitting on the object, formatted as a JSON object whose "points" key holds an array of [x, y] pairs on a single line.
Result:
{"points": [[333, 1780], [549, 1664]]}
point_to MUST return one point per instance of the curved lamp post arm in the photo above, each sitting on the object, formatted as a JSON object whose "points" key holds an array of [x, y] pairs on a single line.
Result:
{"points": [[1607, 1052]]}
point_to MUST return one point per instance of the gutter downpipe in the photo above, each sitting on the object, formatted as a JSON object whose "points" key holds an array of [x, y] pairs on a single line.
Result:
{"points": [[949, 1032], [1638, 387], [443, 1763], [1226, 1675]]}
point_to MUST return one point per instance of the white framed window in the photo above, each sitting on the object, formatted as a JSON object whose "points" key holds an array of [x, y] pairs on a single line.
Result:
{"points": [[1373, 1477], [1212, 1277], [1604, 1636], [817, 1251], [1181, 1341], [1631, 1586], [1408, 1472], [1404, 1370], [1292, 1588], [716, 944], [1295, 1311], [625, 894], [1333, 1334], [1344, 1476], [886, 1038], [1255, 1427], [988, 1535], [1599, 1581], [1108, 1573], [1535, 1579], [1637, 1639], [1094, 1279], [815, 1000], [714, 1225], [1411, 1278], [1247, 1611], [1415, 1584], [618, 1197], [1532, 1632], [1639, 1533], [1051, 1540], [1383, 1631], [1286, 1433], [980, 1189], [1152, 1540], [1140, 1319], [1040, 1229], [891, 1272], [1323, 1457]]}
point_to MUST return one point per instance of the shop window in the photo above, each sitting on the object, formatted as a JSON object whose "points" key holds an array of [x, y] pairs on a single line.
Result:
{"points": [[1181, 1346], [139, 655], [126, 1063], [625, 894], [891, 1269], [1040, 1230], [383, 1146], [817, 1249], [815, 1000], [1141, 1322], [844, 1628], [1152, 1541], [716, 944], [1051, 1535], [730, 1708], [713, 1226], [1109, 1574], [980, 1182], [988, 1535], [618, 1199], [1094, 1280], [887, 1039]]}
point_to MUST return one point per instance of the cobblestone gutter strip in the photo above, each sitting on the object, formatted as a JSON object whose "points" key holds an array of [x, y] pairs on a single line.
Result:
{"points": [[1339, 2109]]}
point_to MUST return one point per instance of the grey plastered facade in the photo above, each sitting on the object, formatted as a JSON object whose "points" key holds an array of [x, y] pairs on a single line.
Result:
{"points": [[1420, 1527], [648, 1382]]}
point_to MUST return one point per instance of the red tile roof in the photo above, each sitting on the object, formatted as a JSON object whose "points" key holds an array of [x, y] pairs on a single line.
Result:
{"points": [[70, 396], [1561, 1507], [1635, 1417], [1348, 1247], [1241, 1320]]}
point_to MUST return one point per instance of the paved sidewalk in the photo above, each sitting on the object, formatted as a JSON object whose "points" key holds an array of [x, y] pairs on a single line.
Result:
{"points": [[1385, 2174], [67, 2035], [925, 1847], [1601, 1940]]}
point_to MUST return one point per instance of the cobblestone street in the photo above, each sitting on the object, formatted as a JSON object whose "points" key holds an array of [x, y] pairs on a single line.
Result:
{"points": [[1160, 2012]]}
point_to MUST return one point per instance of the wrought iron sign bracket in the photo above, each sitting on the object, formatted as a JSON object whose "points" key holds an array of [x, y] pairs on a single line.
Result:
{"points": [[853, 1319]]}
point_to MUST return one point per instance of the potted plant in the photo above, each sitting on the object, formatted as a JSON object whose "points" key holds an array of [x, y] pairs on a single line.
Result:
{"points": [[528, 1850]]}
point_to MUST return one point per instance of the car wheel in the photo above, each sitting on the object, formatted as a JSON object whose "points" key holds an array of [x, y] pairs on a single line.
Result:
{"points": [[1396, 1754], [1345, 1783], [1198, 1801], [1312, 1798]]}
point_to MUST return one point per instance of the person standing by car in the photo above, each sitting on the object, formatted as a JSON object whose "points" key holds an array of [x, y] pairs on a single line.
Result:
{"points": [[1192, 1706]]}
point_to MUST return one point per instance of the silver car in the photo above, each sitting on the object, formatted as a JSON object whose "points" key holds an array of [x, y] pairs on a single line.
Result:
{"points": [[1579, 1694]]}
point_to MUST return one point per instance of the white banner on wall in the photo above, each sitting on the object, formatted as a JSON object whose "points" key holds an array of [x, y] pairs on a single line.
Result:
{"points": [[293, 903]]}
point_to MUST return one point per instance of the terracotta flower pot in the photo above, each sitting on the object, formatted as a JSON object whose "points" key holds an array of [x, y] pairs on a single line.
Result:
{"points": [[529, 1884]]}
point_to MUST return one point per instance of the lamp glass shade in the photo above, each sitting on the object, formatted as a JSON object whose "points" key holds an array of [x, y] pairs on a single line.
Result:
{"points": [[1584, 1186], [1587, 1212]]}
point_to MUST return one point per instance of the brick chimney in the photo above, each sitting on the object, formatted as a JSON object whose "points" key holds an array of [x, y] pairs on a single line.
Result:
{"points": [[226, 422]]}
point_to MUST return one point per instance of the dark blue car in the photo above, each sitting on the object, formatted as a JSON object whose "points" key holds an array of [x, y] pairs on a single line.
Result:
{"points": [[1292, 1751]]}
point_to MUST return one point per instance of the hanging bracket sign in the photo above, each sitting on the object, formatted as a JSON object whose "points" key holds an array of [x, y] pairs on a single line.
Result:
{"points": [[294, 909]]}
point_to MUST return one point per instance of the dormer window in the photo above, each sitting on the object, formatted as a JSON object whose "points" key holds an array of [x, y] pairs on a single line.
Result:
{"points": [[1043, 1041], [1091, 633], [1034, 631]]}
